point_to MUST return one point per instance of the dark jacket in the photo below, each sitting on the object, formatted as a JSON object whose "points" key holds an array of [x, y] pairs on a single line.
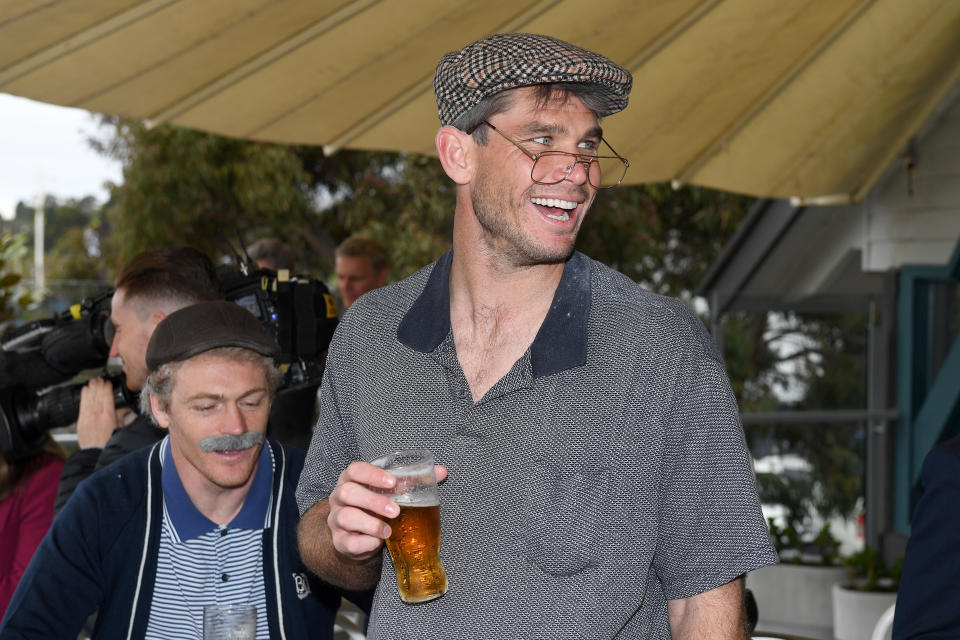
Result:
{"points": [[101, 552], [929, 593], [140, 433]]}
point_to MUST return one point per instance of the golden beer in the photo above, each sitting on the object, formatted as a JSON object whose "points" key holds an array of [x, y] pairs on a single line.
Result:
{"points": [[414, 542], [414, 546]]}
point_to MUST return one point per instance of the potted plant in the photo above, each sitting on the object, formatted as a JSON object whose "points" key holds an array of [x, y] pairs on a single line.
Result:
{"points": [[859, 602], [795, 596]]}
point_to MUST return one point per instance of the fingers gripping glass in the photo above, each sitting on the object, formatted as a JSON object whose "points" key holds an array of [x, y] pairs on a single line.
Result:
{"points": [[551, 167]]}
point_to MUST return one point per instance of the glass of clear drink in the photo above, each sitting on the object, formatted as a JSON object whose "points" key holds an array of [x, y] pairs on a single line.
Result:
{"points": [[414, 542], [229, 622]]}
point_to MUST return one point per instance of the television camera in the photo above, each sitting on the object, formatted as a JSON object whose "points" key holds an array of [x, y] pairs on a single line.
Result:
{"points": [[38, 359]]}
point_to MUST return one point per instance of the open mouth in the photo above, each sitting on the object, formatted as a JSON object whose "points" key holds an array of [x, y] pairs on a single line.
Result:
{"points": [[555, 208], [230, 453]]}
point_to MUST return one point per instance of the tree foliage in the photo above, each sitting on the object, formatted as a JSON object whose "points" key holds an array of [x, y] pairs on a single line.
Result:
{"points": [[406, 202], [72, 228], [831, 363], [664, 238], [14, 298], [189, 187], [185, 186]]}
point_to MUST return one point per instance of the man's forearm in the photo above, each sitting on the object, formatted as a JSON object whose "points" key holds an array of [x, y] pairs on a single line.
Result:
{"points": [[318, 553], [715, 614]]}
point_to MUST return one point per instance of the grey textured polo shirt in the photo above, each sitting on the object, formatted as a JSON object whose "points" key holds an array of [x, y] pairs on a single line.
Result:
{"points": [[605, 473]]}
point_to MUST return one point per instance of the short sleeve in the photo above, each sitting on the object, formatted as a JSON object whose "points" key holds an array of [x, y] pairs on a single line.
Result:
{"points": [[333, 446], [711, 526]]}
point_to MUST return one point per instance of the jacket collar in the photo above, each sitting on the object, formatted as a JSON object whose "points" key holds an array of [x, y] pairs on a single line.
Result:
{"points": [[188, 523], [561, 342]]}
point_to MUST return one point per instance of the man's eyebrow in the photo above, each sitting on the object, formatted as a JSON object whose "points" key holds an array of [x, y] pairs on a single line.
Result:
{"points": [[204, 396], [536, 127], [557, 129], [219, 396]]}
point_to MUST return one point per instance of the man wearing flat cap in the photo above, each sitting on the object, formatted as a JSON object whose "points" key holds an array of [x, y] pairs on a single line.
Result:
{"points": [[204, 517], [594, 477]]}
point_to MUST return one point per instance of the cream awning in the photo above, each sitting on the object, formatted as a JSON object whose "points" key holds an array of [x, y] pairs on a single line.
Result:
{"points": [[778, 98]]}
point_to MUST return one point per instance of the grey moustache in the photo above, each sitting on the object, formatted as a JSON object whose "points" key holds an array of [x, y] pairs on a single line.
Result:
{"points": [[232, 443]]}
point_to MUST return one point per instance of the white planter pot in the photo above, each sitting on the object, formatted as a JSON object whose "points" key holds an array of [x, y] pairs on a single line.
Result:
{"points": [[855, 613], [793, 598]]}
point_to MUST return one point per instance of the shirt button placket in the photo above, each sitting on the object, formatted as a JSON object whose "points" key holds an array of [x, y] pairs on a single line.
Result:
{"points": [[218, 542]]}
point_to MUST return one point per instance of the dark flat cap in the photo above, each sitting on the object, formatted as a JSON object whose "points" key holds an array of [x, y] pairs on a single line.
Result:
{"points": [[205, 326], [509, 60]]}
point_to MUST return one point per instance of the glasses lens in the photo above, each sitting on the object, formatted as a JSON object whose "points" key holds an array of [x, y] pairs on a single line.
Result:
{"points": [[610, 170], [552, 167]]}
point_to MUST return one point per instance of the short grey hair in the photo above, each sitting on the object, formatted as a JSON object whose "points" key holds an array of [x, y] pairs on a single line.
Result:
{"points": [[272, 251], [160, 381], [591, 95]]}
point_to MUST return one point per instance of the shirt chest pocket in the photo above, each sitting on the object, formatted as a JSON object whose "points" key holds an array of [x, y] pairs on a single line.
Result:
{"points": [[566, 515]]}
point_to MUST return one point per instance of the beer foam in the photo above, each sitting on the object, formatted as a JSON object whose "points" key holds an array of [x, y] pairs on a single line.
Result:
{"points": [[409, 473], [414, 500]]}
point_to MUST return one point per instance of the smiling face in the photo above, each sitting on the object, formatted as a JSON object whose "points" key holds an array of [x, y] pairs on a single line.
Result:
{"points": [[133, 322], [524, 222], [214, 395]]}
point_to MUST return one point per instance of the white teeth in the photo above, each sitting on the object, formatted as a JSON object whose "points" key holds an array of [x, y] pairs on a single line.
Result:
{"points": [[554, 202]]}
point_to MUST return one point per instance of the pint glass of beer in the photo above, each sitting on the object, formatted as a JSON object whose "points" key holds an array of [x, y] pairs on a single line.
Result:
{"points": [[414, 542]]}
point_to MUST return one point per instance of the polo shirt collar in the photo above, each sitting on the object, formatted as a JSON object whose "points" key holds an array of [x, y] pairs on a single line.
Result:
{"points": [[187, 520], [561, 342]]}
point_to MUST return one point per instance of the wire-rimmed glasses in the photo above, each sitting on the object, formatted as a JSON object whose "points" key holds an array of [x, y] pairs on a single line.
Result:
{"points": [[552, 167]]}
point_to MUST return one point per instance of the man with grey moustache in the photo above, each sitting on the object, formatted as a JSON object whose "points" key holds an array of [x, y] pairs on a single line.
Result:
{"points": [[204, 517]]}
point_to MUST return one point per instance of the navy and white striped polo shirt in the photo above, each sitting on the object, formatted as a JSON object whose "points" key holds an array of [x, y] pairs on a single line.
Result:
{"points": [[202, 563]]}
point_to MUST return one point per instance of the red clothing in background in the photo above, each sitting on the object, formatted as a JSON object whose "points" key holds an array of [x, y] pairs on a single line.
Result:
{"points": [[25, 516]]}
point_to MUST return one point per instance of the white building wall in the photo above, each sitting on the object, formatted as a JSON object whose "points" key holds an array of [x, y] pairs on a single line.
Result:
{"points": [[922, 227], [835, 258]]}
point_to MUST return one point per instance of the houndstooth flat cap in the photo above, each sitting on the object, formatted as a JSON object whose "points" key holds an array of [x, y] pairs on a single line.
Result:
{"points": [[508, 60]]}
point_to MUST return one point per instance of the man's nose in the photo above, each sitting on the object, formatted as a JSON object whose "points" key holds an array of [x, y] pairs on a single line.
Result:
{"points": [[114, 348], [234, 421], [577, 174]]}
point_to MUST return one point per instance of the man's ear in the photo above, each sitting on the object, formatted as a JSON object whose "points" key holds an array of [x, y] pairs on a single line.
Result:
{"points": [[161, 416], [455, 149], [156, 317]]}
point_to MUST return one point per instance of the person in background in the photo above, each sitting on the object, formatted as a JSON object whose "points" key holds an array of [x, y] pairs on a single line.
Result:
{"points": [[152, 285], [203, 517], [928, 598], [270, 253], [28, 486], [361, 265]]}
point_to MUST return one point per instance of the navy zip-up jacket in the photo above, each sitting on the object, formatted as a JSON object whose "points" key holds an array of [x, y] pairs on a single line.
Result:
{"points": [[101, 554]]}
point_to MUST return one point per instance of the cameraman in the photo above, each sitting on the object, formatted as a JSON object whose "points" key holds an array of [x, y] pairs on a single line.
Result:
{"points": [[153, 285]]}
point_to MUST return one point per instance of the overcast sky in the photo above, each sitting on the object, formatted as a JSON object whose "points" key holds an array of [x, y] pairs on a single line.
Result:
{"points": [[43, 147]]}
